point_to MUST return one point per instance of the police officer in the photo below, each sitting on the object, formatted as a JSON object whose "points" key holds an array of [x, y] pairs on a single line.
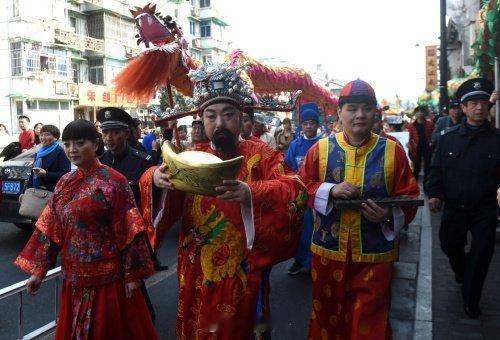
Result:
{"points": [[130, 162], [120, 156], [465, 176]]}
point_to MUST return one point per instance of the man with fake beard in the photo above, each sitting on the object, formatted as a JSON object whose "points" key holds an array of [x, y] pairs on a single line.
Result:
{"points": [[227, 242]]}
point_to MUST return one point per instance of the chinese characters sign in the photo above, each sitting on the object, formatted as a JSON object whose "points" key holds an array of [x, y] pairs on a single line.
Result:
{"points": [[431, 63], [100, 96]]}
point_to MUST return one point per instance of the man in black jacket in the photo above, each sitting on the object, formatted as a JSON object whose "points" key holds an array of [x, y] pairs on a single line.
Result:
{"points": [[465, 176], [455, 117]]}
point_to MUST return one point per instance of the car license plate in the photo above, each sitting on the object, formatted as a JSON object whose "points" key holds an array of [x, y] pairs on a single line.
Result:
{"points": [[11, 187]]}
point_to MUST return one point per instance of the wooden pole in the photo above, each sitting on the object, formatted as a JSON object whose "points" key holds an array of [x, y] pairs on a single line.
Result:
{"points": [[497, 87], [171, 102]]}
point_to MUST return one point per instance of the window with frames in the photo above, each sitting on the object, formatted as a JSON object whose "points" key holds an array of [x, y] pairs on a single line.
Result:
{"points": [[15, 8], [75, 67], [192, 28], [16, 58], [205, 29], [96, 71], [207, 59], [204, 3]]}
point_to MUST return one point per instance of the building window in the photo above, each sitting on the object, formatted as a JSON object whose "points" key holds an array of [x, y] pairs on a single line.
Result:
{"points": [[207, 59], [64, 105], [16, 58], [193, 3], [205, 29], [72, 22], [48, 105], [15, 8], [192, 28], [96, 71], [204, 3], [75, 67]]}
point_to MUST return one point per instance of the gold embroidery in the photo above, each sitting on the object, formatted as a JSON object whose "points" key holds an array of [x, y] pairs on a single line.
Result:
{"points": [[253, 161]]}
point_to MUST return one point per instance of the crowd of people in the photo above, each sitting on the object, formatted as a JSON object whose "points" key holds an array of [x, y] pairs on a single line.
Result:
{"points": [[108, 217]]}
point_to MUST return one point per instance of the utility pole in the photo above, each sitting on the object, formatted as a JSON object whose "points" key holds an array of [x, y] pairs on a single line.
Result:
{"points": [[443, 61]]}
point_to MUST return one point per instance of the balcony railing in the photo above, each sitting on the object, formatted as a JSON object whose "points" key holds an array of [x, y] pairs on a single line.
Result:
{"points": [[95, 2], [79, 42]]}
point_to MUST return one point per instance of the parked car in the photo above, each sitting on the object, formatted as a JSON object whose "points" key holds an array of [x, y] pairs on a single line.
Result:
{"points": [[14, 176]]}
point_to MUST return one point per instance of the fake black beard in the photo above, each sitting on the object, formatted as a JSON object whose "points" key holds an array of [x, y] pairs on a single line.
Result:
{"points": [[223, 141]]}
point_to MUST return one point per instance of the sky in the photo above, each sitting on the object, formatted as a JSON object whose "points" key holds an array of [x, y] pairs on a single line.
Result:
{"points": [[382, 42]]}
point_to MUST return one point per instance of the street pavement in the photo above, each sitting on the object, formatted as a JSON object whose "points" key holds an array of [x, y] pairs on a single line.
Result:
{"points": [[449, 320]]}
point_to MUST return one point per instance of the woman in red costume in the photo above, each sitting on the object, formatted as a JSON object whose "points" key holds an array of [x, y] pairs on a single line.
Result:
{"points": [[93, 222]]}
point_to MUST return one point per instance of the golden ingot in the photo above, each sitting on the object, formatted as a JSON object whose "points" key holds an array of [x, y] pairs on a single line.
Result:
{"points": [[198, 172]]}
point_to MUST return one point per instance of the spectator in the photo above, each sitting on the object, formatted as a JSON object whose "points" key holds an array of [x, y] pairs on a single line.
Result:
{"points": [[260, 131], [421, 141], [37, 128], [4, 136], [51, 162], [135, 135], [97, 125], [198, 137], [27, 136], [247, 126], [147, 141], [455, 117], [285, 136]]}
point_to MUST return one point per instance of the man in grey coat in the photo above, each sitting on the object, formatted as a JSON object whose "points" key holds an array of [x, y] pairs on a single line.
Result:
{"points": [[455, 117]]}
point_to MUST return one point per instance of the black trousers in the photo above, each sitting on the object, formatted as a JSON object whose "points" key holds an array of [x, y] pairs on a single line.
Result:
{"points": [[425, 155], [473, 267]]}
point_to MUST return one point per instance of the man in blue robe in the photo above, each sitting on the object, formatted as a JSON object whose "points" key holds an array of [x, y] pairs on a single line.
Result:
{"points": [[295, 155]]}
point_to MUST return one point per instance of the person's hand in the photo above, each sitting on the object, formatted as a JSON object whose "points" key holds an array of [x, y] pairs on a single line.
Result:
{"points": [[39, 172], [374, 212], [345, 190], [434, 204], [495, 95], [161, 178], [130, 287], [33, 284], [234, 191]]}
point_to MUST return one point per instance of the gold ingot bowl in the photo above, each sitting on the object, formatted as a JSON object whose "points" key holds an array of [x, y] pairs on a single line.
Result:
{"points": [[198, 172]]}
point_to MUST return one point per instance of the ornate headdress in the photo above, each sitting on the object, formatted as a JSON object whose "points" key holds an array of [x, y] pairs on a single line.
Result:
{"points": [[226, 83]]}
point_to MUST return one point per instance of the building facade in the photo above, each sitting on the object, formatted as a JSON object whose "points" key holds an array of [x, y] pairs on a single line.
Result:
{"points": [[58, 58], [461, 33]]}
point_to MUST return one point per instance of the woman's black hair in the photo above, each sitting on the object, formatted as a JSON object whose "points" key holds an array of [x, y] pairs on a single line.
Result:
{"points": [[52, 129], [80, 129]]}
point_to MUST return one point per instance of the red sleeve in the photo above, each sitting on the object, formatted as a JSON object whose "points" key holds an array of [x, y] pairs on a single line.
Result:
{"points": [[136, 259], [309, 173], [39, 255], [151, 201], [278, 199], [404, 182]]}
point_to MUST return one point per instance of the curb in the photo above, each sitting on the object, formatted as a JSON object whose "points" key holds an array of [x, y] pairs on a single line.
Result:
{"points": [[422, 327]]}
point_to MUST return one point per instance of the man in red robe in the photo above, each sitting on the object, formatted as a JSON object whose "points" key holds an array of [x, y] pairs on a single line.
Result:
{"points": [[353, 249], [227, 243]]}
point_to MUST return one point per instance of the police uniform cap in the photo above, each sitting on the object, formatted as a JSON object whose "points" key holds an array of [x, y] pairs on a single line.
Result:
{"points": [[454, 103], [476, 88], [114, 118]]}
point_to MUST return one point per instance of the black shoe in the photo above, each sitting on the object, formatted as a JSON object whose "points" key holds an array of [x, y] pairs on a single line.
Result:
{"points": [[295, 268], [472, 313], [459, 278]]}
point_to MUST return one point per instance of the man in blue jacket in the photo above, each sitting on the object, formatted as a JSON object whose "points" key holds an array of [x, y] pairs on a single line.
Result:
{"points": [[295, 155]]}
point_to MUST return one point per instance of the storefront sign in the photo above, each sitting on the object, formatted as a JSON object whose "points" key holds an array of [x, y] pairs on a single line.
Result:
{"points": [[100, 96], [431, 78]]}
